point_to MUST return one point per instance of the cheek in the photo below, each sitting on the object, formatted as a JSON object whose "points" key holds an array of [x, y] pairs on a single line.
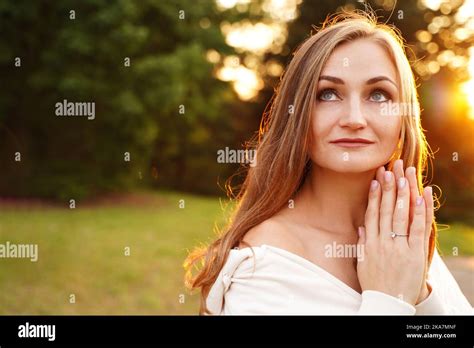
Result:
{"points": [[388, 135], [388, 131], [321, 125]]}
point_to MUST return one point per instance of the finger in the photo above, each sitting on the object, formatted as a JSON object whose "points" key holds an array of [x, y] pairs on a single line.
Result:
{"points": [[362, 237], [398, 174], [401, 212], [398, 169], [361, 232], [417, 228], [379, 174], [372, 212], [428, 197], [410, 174], [387, 205]]}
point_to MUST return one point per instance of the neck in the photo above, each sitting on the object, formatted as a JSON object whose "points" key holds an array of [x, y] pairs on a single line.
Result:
{"points": [[334, 201]]}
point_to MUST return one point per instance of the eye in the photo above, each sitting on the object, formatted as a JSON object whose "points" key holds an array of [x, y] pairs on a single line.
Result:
{"points": [[379, 96], [328, 95]]}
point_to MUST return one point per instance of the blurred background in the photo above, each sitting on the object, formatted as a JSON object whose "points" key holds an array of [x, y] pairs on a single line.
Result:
{"points": [[114, 203]]}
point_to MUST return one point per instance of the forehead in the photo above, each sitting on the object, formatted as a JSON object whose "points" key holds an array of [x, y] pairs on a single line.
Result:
{"points": [[362, 58]]}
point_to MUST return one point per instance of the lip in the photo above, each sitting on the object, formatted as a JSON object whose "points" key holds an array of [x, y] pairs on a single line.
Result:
{"points": [[352, 142]]}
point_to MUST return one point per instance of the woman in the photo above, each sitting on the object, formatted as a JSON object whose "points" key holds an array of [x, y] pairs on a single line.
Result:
{"points": [[340, 163]]}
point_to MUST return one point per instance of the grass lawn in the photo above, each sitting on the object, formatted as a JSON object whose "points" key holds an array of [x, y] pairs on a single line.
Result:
{"points": [[82, 252], [456, 238]]}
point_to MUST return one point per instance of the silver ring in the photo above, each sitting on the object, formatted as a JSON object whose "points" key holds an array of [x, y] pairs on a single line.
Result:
{"points": [[393, 235]]}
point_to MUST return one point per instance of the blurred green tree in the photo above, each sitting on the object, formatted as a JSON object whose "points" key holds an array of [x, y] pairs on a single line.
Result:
{"points": [[141, 63]]}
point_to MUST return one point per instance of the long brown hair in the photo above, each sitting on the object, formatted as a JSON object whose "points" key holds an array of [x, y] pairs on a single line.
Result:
{"points": [[282, 146]]}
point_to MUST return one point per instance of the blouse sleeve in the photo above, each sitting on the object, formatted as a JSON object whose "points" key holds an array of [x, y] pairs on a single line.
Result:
{"points": [[445, 297], [257, 281], [246, 297], [379, 303]]}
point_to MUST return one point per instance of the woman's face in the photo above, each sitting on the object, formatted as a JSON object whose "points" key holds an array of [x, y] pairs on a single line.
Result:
{"points": [[351, 129]]}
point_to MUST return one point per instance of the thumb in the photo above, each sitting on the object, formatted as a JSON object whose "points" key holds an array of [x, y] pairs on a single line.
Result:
{"points": [[361, 243], [361, 233]]}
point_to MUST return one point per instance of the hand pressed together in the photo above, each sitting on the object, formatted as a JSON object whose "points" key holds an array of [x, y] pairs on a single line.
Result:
{"points": [[396, 236]]}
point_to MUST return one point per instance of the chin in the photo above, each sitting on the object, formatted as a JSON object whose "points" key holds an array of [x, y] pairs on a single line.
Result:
{"points": [[353, 166]]}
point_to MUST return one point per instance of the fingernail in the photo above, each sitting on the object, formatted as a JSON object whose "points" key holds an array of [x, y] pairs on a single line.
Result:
{"points": [[419, 200], [359, 231], [401, 183], [388, 176], [373, 185]]}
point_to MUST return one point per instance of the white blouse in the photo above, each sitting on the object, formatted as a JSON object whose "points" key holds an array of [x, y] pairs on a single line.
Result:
{"points": [[280, 282]]}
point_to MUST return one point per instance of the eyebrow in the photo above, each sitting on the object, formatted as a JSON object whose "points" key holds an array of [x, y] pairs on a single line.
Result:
{"points": [[371, 81]]}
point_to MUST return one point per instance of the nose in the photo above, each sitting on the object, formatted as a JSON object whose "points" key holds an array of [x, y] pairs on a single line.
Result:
{"points": [[353, 117]]}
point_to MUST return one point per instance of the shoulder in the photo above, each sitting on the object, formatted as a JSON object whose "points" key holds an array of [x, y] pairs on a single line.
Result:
{"points": [[274, 232]]}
